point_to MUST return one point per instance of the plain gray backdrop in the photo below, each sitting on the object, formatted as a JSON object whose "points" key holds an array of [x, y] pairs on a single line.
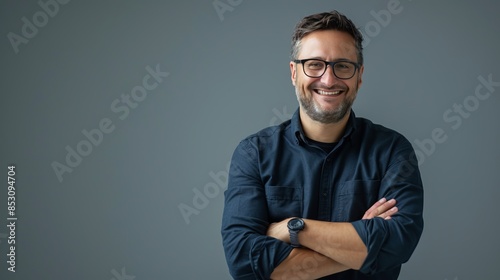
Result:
{"points": [[117, 214]]}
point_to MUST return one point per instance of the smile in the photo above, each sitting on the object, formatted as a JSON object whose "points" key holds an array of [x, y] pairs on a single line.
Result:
{"points": [[323, 92]]}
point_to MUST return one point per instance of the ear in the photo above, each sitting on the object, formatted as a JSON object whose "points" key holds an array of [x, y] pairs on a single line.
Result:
{"points": [[293, 72], [360, 76]]}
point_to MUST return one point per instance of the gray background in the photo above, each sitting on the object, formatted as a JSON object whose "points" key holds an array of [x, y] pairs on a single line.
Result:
{"points": [[117, 213]]}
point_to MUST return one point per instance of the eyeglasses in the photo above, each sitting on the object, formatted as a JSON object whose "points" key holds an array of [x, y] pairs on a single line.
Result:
{"points": [[315, 68]]}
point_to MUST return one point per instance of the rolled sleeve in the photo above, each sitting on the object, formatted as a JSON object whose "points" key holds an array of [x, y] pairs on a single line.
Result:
{"points": [[250, 254], [390, 243]]}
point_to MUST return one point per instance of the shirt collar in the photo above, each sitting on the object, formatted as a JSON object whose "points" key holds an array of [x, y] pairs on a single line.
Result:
{"points": [[299, 135]]}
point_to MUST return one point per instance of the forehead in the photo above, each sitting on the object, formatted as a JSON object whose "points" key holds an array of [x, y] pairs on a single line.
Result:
{"points": [[328, 45]]}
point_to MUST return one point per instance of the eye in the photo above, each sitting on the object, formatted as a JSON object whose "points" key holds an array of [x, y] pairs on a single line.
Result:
{"points": [[344, 66], [315, 64]]}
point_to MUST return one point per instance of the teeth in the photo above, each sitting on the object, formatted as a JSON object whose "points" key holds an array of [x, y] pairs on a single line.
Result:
{"points": [[328, 92]]}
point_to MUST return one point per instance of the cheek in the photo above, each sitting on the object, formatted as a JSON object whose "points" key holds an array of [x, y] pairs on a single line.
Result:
{"points": [[304, 89], [353, 86], [303, 83]]}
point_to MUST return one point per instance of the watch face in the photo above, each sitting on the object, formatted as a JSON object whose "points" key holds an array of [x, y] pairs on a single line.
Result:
{"points": [[296, 224]]}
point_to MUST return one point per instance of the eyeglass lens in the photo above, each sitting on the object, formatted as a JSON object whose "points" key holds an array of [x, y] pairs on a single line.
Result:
{"points": [[341, 69]]}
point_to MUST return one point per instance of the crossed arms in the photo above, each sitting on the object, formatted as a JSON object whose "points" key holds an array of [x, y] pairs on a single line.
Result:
{"points": [[329, 247], [381, 240]]}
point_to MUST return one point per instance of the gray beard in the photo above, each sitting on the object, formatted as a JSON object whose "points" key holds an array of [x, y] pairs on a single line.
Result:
{"points": [[325, 117]]}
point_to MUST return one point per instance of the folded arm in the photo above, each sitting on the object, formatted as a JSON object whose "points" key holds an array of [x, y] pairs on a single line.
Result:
{"points": [[329, 247], [250, 254], [374, 243], [303, 263]]}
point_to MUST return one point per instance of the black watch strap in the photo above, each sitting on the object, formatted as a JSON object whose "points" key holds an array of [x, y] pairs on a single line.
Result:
{"points": [[295, 225], [294, 238]]}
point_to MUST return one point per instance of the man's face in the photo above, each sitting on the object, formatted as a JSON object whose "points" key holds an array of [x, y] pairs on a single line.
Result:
{"points": [[326, 99]]}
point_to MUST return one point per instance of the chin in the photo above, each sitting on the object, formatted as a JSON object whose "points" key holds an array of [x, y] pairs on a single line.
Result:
{"points": [[329, 116]]}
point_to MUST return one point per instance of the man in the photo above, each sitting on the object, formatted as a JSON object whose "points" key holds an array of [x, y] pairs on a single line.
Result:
{"points": [[325, 194]]}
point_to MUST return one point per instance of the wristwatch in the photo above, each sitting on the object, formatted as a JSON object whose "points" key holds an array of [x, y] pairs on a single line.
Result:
{"points": [[294, 226]]}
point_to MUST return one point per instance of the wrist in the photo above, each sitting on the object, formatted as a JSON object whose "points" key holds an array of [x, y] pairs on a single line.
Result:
{"points": [[295, 225]]}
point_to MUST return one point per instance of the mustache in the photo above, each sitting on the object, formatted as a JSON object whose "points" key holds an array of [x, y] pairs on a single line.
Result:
{"points": [[334, 87]]}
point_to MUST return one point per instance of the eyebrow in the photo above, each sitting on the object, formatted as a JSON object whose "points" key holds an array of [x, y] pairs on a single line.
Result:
{"points": [[320, 58]]}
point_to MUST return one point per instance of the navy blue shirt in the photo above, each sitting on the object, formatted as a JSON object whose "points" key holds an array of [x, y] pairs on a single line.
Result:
{"points": [[278, 173]]}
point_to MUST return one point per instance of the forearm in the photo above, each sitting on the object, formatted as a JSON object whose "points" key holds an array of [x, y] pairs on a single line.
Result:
{"points": [[337, 241], [303, 263]]}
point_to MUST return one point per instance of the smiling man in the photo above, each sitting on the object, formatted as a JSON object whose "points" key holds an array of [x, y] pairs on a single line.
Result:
{"points": [[326, 194]]}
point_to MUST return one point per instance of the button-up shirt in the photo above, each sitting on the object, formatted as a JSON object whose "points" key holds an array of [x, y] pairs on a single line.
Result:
{"points": [[279, 173]]}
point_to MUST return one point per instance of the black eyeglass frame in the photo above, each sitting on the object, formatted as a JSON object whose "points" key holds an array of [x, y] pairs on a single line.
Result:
{"points": [[331, 63]]}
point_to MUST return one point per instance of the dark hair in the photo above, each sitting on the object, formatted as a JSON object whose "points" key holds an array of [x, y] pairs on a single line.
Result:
{"points": [[326, 21]]}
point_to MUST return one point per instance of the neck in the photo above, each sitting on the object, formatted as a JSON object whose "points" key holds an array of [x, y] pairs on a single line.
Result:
{"points": [[321, 132]]}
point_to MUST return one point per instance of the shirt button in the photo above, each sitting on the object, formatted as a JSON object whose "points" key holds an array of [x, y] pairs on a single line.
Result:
{"points": [[324, 194]]}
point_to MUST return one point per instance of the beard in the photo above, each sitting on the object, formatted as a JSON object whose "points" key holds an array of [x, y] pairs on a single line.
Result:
{"points": [[315, 112]]}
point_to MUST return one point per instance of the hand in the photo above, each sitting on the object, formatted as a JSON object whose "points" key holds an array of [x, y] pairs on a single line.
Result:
{"points": [[383, 208], [280, 230]]}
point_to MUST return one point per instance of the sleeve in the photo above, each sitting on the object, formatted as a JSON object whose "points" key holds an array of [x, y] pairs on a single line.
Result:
{"points": [[390, 243], [250, 254]]}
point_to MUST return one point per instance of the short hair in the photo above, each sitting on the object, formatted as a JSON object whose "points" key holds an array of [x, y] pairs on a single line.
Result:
{"points": [[326, 21]]}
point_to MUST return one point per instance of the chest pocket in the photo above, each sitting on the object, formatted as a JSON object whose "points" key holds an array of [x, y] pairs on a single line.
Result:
{"points": [[354, 198], [283, 202]]}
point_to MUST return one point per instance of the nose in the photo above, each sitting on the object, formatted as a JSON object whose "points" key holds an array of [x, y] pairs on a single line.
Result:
{"points": [[328, 78]]}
